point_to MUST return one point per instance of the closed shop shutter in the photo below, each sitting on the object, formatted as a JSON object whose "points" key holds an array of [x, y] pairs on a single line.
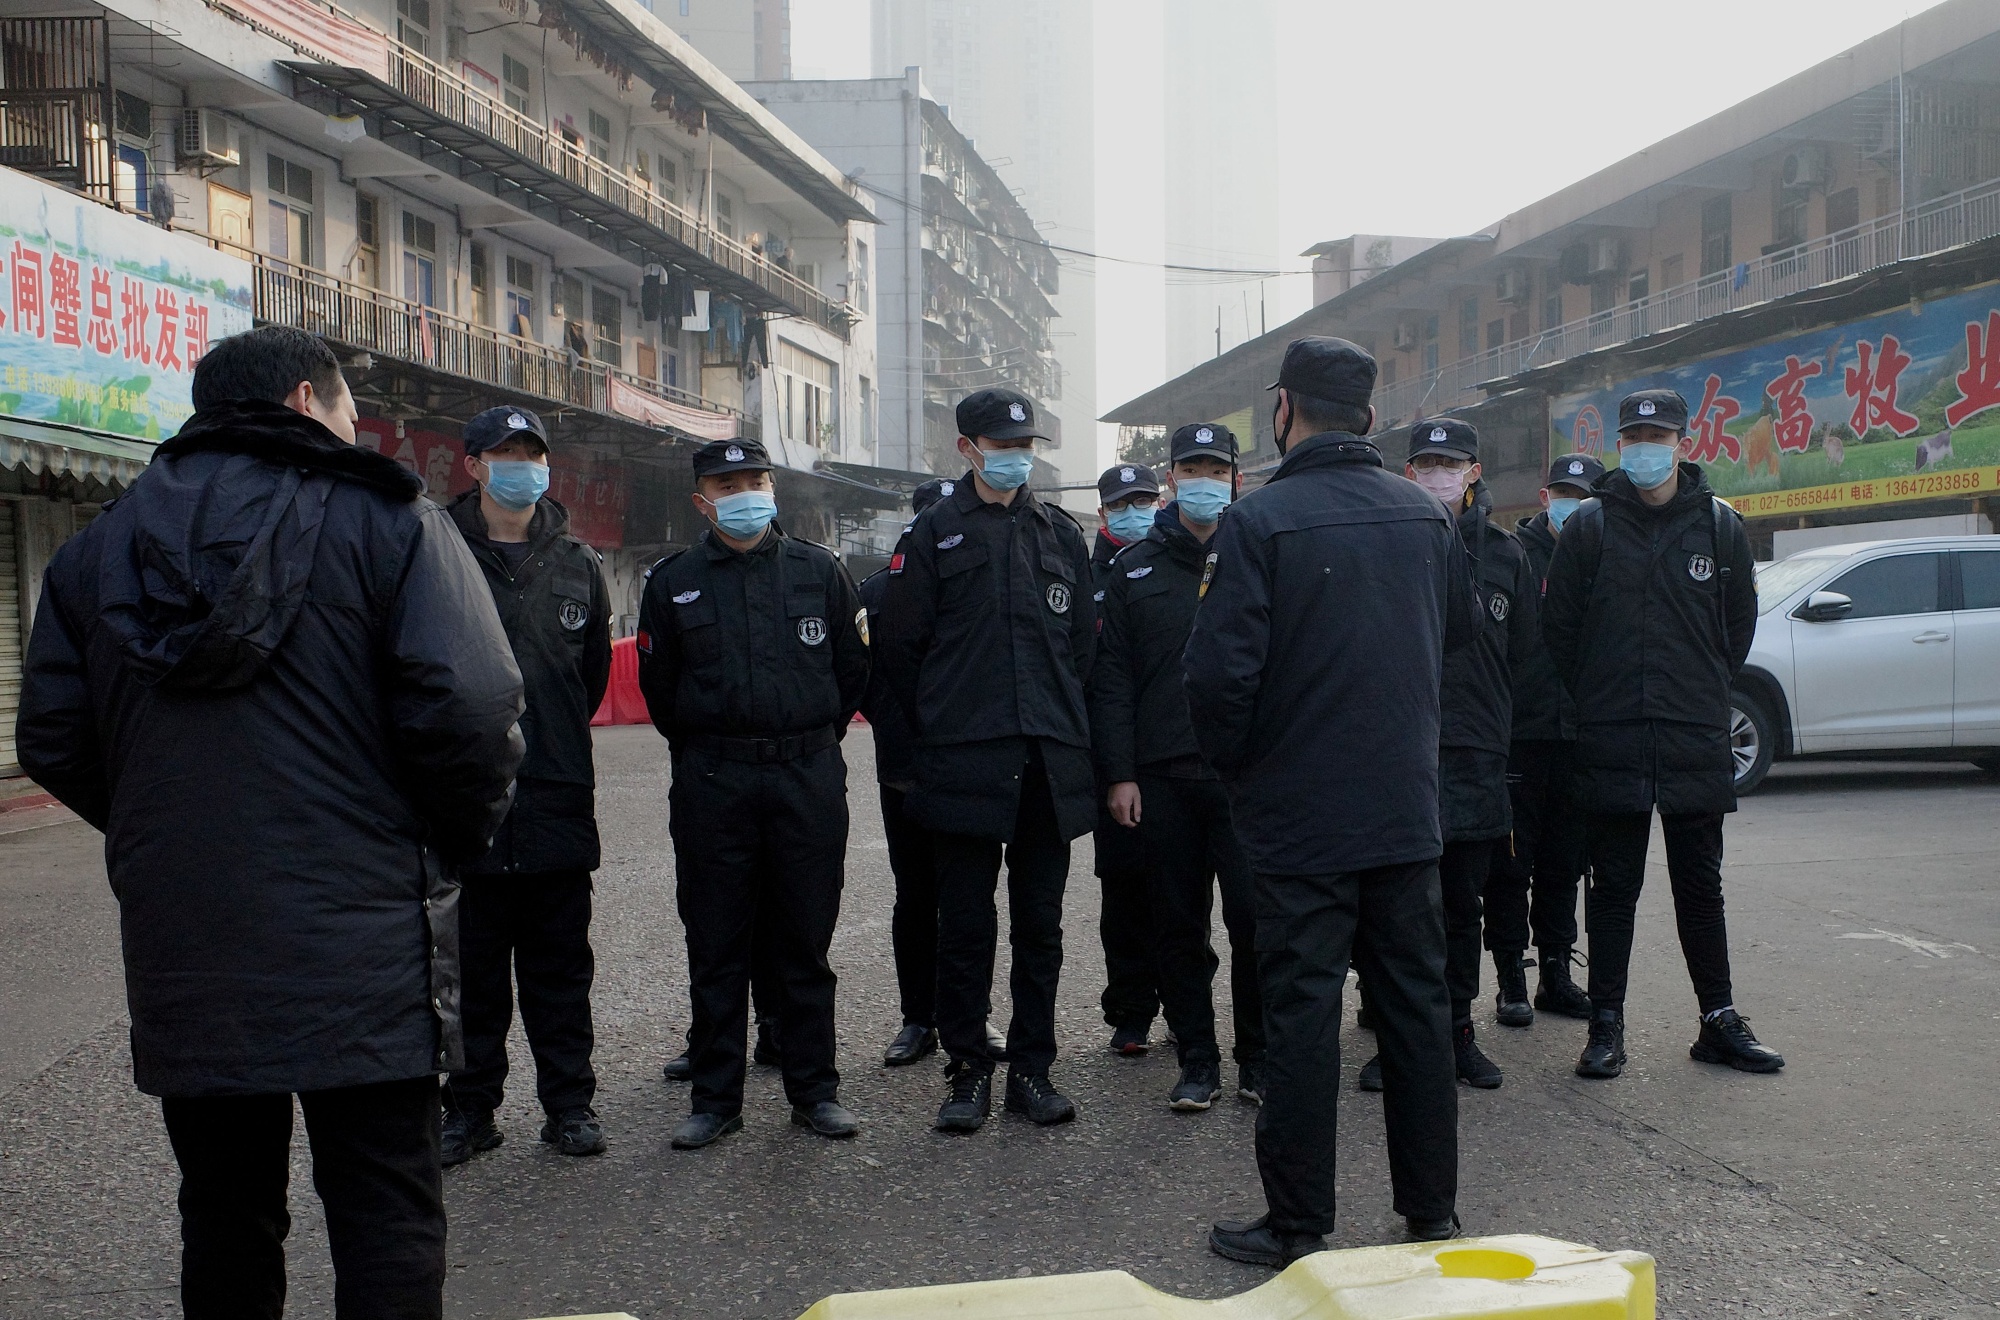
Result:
{"points": [[10, 638]]}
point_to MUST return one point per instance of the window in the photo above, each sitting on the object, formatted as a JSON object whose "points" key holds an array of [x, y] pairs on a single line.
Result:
{"points": [[1885, 195], [515, 85], [1979, 579], [1900, 584], [413, 25], [367, 242], [419, 259], [861, 274], [1843, 210], [132, 116], [291, 203], [481, 276], [868, 415], [1388, 371], [1496, 333], [1715, 234], [670, 177], [607, 317], [805, 395], [1670, 273], [1468, 328], [1788, 218], [520, 298], [600, 136], [725, 216], [132, 178], [1638, 285], [1552, 304]]}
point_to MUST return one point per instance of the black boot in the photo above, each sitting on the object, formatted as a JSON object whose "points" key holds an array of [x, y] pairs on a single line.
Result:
{"points": [[1474, 1068], [466, 1135], [1255, 1242], [1557, 993], [1726, 1039], [1510, 1006], [1604, 1056]]}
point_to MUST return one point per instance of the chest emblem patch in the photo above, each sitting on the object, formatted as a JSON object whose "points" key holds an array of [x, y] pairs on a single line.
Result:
{"points": [[687, 597], [1140, 572], [1499, 607], [1700, 567], [952, 542], [812, 631], [1059, 597], [574, 614]]}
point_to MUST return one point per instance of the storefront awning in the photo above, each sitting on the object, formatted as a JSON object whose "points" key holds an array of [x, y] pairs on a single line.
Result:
{"points": [[48, 448]]}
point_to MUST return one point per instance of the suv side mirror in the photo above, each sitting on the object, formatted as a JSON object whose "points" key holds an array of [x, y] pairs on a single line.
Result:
{"points": [[1825, 607]]}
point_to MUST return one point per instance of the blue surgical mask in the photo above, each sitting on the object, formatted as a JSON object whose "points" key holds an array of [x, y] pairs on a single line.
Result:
{"points": [[746, 513], [1560, 508], [1203, 498], [1647, 462], [1130, 523], [1006, 469], [516, 484]]}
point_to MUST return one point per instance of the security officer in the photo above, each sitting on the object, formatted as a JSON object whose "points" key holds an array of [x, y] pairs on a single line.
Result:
{"points": [[1650, 610], [988, 633], [1330, 596], [1160, 789], [753, 655], [1546, 858], [524, 915], [1128, 494]]}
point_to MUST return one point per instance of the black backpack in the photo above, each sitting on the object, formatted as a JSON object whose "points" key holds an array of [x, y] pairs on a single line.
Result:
{"points": [[1587, 523]]}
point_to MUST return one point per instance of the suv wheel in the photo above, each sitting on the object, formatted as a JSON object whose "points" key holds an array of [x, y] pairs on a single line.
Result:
{"points": [[1752, 740]]}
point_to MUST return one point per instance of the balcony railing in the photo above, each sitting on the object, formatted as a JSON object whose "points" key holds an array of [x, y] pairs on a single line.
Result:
{"points": [[451, 97], [1948, 222]]}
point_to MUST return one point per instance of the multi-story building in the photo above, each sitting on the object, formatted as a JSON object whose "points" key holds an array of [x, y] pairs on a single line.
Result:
{"points": [[962, 281], [557, 203], [746, 39], [1811, 267]]}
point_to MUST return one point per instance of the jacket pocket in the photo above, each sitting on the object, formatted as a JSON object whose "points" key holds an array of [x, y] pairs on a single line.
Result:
{"points": [[701, 638], [812, 633]]}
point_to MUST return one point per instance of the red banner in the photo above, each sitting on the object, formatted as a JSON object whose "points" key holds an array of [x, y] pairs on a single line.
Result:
{"points": [[592, 489], [651, 409], [333, 36]]}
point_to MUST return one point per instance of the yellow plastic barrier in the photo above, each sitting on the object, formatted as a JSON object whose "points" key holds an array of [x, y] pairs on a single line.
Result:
{"points": [[1518, 1277]]}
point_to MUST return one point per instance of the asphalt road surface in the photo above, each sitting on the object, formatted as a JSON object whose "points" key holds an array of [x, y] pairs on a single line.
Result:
{"points": [[1862, 1181]]}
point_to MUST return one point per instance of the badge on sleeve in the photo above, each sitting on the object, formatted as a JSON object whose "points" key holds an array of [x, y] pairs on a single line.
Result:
{"points": [[861, 625], [1058, 596], [896, 564], [1207, 575], [1499, 607]]}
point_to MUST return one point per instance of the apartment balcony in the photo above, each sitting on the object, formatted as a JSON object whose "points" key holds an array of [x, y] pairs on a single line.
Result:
{"points": [[440, 118]]}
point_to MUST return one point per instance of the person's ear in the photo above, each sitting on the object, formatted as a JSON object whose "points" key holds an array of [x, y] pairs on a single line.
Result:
{"points": [[1473, 473], [300, 400], [471, 462], [1371, 419]]}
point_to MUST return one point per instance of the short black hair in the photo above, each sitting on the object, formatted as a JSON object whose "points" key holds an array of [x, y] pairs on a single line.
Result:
{"points": [[1315, 416], [266, 364]]}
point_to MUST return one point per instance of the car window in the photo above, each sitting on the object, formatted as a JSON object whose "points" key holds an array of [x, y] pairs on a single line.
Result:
{"points": [[1979, 578], [1779, 580], [1899, 584]]}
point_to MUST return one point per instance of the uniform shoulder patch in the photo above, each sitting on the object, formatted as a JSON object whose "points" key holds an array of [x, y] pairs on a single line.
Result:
{"points": [[1207, 573], [861, 625]]}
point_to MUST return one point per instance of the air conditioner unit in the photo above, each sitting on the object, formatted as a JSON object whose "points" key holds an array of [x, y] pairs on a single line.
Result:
{"points": [[1512, 286], [204, 139], [1605, 257], [1406, 336], [1808, 167]]}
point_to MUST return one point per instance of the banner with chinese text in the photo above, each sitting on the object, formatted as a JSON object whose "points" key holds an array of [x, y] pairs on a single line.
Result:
{"points": [[1901, 406], [591, 488], [103, 316]]}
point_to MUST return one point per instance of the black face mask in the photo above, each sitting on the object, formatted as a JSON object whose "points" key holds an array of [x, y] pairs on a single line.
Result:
{"points": [[1279, 437]]}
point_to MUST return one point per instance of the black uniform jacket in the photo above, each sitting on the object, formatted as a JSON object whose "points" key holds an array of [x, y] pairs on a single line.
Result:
{"points": [[1648, 620], [1138, 704], [272, 676], [895, 744], [557, 613], [1476, 703], [761, 643], [988, 632], [1543, 708], [1102, 551], [1333, 592]]}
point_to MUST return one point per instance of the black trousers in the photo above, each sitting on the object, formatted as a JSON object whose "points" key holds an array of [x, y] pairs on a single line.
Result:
{"points": [[1306, 927], [968, 871], [760, 851], [1191, 847], [526, 934], [375, 1167], [1532, 887], [1125, 924], [1694, 869], [913, 929], [1462, 881]]}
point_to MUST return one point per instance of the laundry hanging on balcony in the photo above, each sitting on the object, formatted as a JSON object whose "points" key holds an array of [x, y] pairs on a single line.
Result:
{"points": [[756, 343]]}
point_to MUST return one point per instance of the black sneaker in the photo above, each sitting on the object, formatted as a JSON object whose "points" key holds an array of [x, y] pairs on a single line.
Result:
{"points": [[1198, 1088], [575, 1132], [1557, 993], [1131, 1041], [1474, 1068], [1255, 1242], [968, 1099], [1037, 1097], [1727, 1039], [1250, 1081], [767, 1054], [465, 1136], [1510, 1006], [1604, 1056], [680, 1068], [1371, 1075]]}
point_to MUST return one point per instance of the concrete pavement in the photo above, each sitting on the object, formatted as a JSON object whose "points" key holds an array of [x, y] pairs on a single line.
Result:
{"points": [[1862, 1181]]}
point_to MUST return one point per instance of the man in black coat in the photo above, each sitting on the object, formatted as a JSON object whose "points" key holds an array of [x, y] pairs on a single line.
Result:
{"points": [[987, 635], [1650, 612], [1532, 888], [1330, 597], [271, 675], [524, 919], [1159, 790], [753, 657]]}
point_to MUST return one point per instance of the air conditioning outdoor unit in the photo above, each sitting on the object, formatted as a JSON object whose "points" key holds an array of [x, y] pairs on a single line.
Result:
{"points": [[1605, 258], [204, 139], [1406, 336], [1808, 167], [1512, 286]]}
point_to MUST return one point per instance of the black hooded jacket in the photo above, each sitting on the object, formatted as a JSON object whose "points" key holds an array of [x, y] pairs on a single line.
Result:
{"points": [[271, 675], [1138, 703], [1477, 703], [1543, 708]]}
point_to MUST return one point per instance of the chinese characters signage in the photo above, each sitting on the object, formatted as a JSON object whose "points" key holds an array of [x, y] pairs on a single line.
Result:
{"points": [[102, 316], [1902, 406], [592, 489]]}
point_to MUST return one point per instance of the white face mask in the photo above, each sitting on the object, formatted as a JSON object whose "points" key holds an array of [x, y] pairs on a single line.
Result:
{"points": [[1448, 484]]}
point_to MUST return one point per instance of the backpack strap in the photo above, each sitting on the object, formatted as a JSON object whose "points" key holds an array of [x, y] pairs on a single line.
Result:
{"points": [[1587, 525]]}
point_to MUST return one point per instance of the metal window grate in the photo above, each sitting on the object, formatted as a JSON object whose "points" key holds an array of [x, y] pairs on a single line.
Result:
{"points": [[55, 101]]}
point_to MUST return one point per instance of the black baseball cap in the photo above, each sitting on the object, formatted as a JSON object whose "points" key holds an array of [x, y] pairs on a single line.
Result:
{"points": [[496, 426], [1655, 408], [1202, 440], [1575, 470], [1445, 435], [998, 414], [1324, 367], [720, 456], [1124, 480], [930, 493]]}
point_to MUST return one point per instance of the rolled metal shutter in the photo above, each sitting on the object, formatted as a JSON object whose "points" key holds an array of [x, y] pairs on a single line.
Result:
{"points": [[10, 637]]}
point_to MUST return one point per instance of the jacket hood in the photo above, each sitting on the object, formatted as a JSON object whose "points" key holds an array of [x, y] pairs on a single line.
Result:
{"points": [[1617, 485], [215, 571], [1534, 529], [1168, 531], [551, 519]]}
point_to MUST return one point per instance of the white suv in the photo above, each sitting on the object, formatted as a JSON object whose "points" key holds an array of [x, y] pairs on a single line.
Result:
{"points": [[1876, 647]]}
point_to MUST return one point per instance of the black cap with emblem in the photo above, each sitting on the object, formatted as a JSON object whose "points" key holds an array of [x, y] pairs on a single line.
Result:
{"points": [[1664, 408], [1203, 440], [1324, 367], [998, 414], [929, 493], [1575, 470], [496, 426], [1124, 480], [720, 456], [1445, 435]]}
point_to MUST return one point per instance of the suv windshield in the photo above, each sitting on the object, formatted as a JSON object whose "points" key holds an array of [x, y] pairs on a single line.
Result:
{"points": [[1779, 580]]}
